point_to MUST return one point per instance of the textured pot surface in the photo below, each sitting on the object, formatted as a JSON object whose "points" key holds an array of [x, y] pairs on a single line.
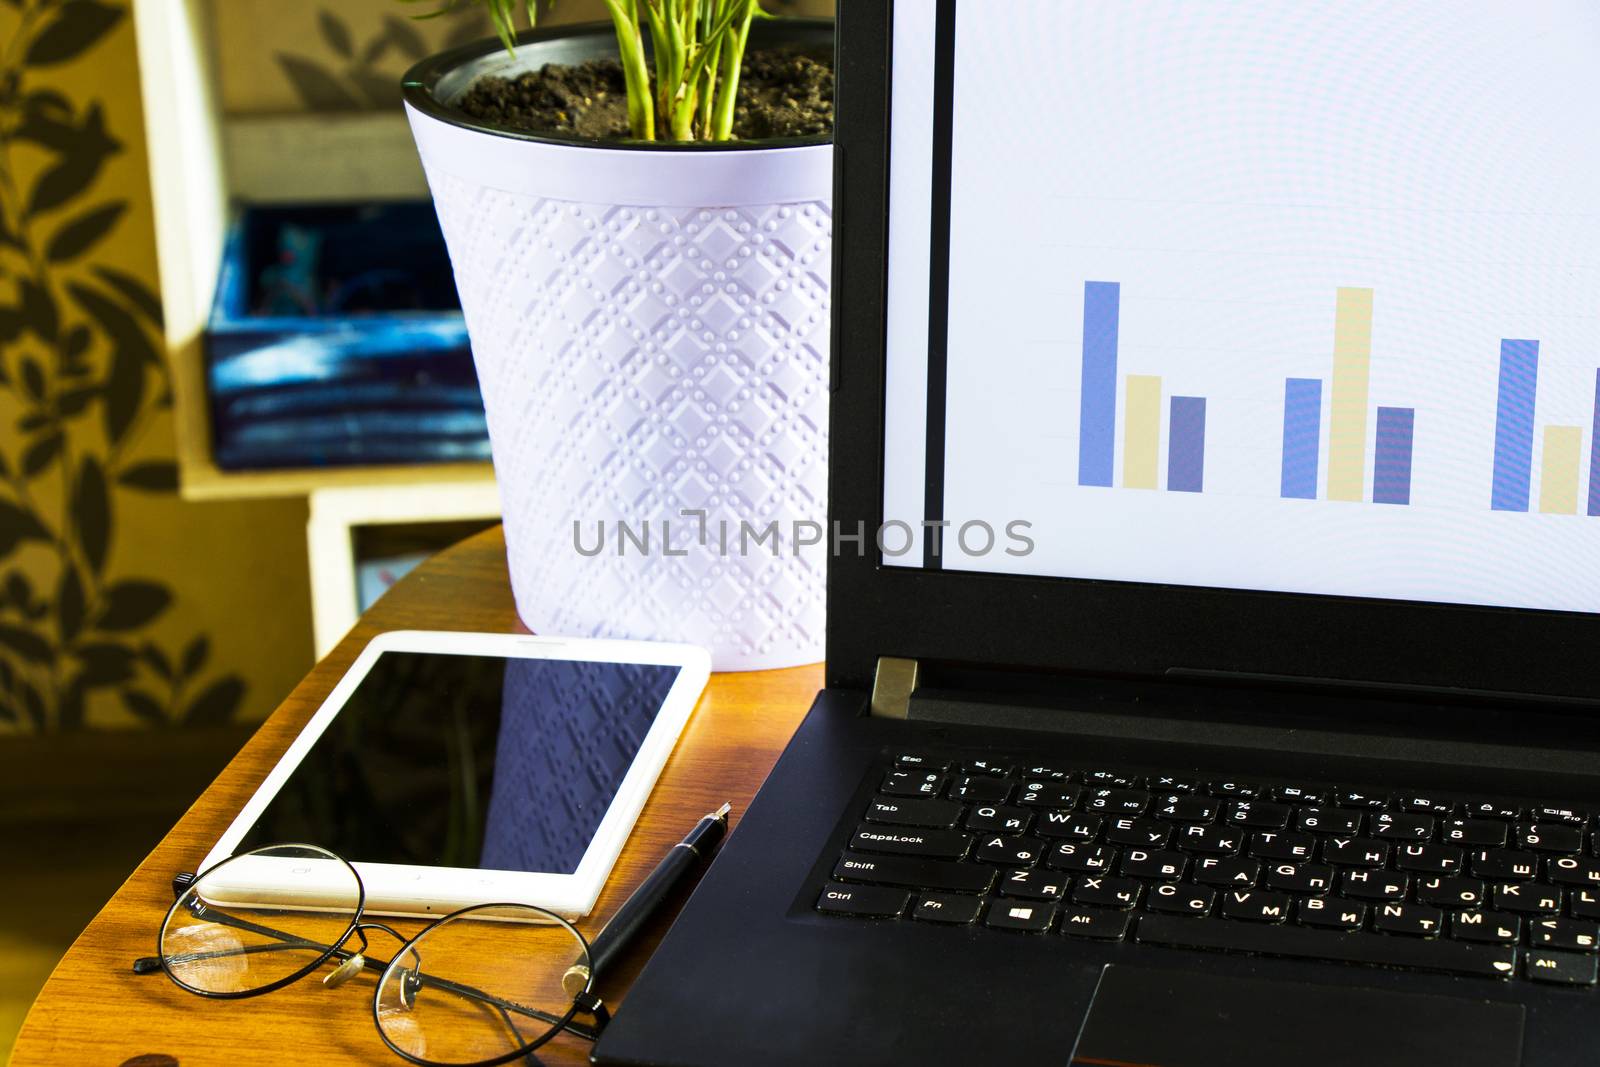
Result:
{"points": [[650, 327]]}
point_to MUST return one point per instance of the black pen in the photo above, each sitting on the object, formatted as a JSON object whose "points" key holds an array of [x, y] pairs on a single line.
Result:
{"points": [[637, 909]]}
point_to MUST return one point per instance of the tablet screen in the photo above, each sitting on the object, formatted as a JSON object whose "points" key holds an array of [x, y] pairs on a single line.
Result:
{"points": [[442, 760]]}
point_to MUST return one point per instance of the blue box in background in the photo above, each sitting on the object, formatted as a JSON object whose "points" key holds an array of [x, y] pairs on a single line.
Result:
{"points": [[336, 338]]}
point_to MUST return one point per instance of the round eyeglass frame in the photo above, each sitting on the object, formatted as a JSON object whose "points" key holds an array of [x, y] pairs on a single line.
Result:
{"points": [[583, 1000]]}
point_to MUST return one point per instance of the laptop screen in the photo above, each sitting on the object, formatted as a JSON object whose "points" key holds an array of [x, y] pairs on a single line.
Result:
{"points": [[1286, 297]]}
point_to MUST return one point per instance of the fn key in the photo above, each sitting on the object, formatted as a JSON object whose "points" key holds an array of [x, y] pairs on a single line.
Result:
{"points": [[863, 901]]}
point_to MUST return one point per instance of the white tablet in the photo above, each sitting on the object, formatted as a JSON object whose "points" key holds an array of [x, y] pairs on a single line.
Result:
{"points": [[454, 769]]}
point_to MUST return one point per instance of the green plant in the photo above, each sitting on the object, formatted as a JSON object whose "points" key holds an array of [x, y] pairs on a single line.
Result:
{"points": [[698, 47]]}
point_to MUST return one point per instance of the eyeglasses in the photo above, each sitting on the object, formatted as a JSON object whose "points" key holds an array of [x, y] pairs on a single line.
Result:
{"points": [[462, 992]]}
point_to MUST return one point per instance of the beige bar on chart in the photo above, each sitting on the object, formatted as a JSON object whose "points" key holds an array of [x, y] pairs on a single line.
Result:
{"points": [[1558, 473], [1352, 367], [1141, 441]]}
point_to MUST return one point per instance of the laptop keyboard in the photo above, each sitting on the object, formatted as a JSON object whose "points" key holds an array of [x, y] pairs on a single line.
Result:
{"points": [[1424, 881]]}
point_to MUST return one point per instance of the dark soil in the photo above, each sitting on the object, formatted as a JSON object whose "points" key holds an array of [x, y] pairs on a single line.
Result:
{"points": [[782, 93]]}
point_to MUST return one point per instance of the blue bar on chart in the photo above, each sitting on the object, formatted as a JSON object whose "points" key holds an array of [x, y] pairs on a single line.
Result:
{"points": [[1186, 444], [1391, 464], [1097, 401], [1513, 425], [1594, 452], [1302, 432]]}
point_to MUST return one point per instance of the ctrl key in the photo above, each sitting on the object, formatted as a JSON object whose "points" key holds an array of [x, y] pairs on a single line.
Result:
{"points": [[862, 901], [1563, 968]]}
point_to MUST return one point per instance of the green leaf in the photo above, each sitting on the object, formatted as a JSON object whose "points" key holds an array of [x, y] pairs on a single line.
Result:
{"points": [[154, 476], [91, 512], [25, 643], [105, 664], [84, 232], [336, 33], [41, 454], [74, 31], [156, 660], [318, 89], [194, 657], [18, 525], [134, 291], [132, 604], [217, 704], [70, 606], [144, 707]]}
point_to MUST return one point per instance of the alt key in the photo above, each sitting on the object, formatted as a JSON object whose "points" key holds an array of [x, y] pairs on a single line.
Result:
{"points": [[1563, 968]]}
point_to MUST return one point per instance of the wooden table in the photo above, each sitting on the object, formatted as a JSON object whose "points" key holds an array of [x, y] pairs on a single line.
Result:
{"points": [[94, 1010]]}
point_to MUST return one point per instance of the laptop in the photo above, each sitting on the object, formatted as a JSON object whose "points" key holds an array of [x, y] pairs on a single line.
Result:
{"points": [[1216, 682]]}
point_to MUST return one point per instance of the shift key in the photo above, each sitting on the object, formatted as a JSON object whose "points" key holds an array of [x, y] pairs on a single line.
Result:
{"points": [[914, 873]]}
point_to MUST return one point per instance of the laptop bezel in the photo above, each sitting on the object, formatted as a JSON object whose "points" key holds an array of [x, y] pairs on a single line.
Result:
{"points": [[1117, 628]]}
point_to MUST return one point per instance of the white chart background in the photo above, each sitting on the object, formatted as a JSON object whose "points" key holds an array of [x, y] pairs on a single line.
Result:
{"points": [[1232, 165]]}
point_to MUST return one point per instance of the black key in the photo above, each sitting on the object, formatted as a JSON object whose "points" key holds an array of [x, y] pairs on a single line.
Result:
{"points": [[1227, 871], [1066, 824], [1300, 878], [1210, 840], [935, 844], [1572, 870], [1033, 884], [1568, 816], [1473, 833], [1394, 825], [1027, 916], [1253, 905], [977, 789], [1450, 957], [1562, 968], [915, 873], [988, 818], [1166, 783], [1329, 821], [1104, 891], [991, 768], [921, 761], [1046, 773], [1503, 863], [865, 901], [1360, 798], [1451, 891], [1037, 794], [1486, 926], [1331, 913], [1527, 898], [947, 908], [1137, 830], [914, 811], [1374, 885], [1179, 899], [1117, 801], [1289, 845], [1098, 923], [1413, 920], [1234, 790], [1009, 851], [1424, 804], [912, 784], [1258, 814], [1429, 859], [1550, 837], [1110, 780], [1183, 807], [1490, 809], [1584, 903], [1161, 865], [1354, 852], [1574, 935], [1081, 857], [1300, 794]]}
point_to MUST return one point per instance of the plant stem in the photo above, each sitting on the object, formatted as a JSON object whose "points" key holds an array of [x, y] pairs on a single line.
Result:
{"points": [[635, 73], [732, 62]]}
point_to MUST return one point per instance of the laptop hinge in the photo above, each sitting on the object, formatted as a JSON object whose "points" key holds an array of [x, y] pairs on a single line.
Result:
{"points": [[892, 686]]}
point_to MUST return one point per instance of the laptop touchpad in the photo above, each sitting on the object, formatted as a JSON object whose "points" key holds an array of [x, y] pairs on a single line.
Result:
{"points": [[1145, 1017]]}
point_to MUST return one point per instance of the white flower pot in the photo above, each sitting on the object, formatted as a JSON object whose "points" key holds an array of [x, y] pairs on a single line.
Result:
{"points": [[650, 328]]}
